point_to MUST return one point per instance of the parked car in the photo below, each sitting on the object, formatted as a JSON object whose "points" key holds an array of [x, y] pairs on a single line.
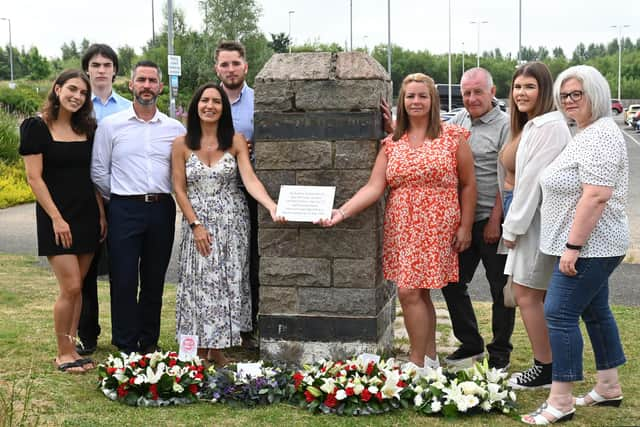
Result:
{"points": [[630, 113], [635, 121], [616, 106]]}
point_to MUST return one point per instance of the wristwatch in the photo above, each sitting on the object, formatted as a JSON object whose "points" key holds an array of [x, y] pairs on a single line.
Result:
{"points": [[194, 224], [573, 247]]}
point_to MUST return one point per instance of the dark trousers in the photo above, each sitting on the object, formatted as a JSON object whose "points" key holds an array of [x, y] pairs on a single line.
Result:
{"points": [[140, 241], [456, 295], [254, 258], [88, 326]]}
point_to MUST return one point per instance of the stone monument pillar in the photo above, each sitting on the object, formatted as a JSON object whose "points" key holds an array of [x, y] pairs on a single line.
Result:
{"points": [[318, 122]]}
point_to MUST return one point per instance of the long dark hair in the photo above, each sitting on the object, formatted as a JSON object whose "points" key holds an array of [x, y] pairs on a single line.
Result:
{"points": [[402, 123], [225, 130], [82, 121], [544, 103]]}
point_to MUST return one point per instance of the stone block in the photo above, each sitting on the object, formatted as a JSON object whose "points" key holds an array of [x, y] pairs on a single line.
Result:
{"points": [[278, 300], [359, 65], [356, 273], [339, 95], [347, 182], [337, 301], [297, 66], [338, 243], [278, 242], [318, 125], [295, 272], [273, 179], [356, 154], [293, 155], [273, 96]]}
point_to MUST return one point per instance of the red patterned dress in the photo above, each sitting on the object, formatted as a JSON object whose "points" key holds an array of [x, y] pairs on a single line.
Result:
{"points": [[423, 212]]}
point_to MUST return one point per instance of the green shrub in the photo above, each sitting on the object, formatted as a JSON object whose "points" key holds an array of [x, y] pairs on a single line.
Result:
{"points": [[14, 188], [9, 138], [24, 99]]}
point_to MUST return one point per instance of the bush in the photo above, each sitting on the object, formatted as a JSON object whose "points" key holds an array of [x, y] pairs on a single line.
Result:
{"points": [[14, 188], [24, 99], [9, 138]]}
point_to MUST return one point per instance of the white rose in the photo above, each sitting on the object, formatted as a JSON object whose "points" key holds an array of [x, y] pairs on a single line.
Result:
{"points": [[418, 400], [436, 406], [373, 389], [178, 388], [486, 406], [341, 394], [358, 389]]}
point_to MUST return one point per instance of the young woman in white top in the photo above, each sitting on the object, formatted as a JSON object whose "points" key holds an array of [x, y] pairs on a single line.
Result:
{"points": [[538, 135]]}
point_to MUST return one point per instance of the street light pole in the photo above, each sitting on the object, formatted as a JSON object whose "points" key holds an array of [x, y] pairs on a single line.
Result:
{"points": [[291, 12], [478, 23], [351, 25], [153, 24], [462, 59], [619, 27], [389, 37], [11, 84], [449, 57]]}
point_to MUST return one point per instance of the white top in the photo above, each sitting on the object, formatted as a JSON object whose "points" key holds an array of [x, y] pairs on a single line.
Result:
{"points": [[597, 155], [543, 139], [132, 156]]}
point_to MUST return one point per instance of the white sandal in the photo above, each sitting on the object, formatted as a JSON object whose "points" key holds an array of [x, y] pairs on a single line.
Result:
{"points": [[540, 420], [597, 400]]}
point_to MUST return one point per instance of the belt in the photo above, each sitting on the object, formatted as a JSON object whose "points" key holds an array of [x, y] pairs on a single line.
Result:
{"points": [[147, 198]]}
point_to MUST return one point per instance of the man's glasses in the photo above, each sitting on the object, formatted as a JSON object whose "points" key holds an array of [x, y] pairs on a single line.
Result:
{"points": [[575, 96]]}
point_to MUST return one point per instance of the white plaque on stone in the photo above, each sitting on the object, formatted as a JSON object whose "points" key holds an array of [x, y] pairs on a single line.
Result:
{"points": [[305, 203], [369, 357], [188, 347]]}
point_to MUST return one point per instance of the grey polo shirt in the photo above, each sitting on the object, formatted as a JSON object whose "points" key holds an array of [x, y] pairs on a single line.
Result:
{"points": [[488, 134]]}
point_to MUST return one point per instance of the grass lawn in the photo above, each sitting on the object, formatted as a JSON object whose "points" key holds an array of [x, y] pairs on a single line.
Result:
{"points": [[27, 349]]}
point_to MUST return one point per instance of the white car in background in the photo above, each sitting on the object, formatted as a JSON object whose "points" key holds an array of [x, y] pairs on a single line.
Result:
{"points": [[630, 112]]}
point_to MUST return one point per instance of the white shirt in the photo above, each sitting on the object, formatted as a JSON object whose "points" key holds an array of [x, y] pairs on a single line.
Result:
{"points": [[131, 156], [597, 155]]}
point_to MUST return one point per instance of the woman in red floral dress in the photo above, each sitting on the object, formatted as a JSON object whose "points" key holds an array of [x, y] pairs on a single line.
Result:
{"points": [[428, 167]]}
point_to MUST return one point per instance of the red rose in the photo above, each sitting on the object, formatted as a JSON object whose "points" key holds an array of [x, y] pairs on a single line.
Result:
{"points": [[331, 401], [370, 367], [365, 395], [401, 384], [379, 396], [308, 396], [199, 376], [132, 364], [200, 368], [142, 363], [111, 371], [297, 378], [132, 380], [349, 391], [173, 354], [122, 391], [193, 388], [172, 362], [178, 379]]}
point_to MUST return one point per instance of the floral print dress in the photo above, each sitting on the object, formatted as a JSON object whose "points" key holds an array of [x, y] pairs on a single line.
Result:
{"points": [[422, 213], [213, 298]]}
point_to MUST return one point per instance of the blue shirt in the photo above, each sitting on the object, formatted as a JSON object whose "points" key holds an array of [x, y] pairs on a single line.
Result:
{"points": [[242, 113], [115, 103]]}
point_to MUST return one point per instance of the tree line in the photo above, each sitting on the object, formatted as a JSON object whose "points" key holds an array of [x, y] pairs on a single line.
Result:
{"points": [[237, 20]]}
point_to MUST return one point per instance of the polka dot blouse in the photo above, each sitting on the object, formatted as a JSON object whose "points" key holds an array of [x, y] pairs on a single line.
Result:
{"points": [[597, 155]]}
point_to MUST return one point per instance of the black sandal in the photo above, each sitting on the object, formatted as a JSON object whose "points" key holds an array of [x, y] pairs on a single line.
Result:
{"points": [[64, 367]]}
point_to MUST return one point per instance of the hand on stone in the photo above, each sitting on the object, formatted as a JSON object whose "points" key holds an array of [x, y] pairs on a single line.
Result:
{"points": [[387, 117]]}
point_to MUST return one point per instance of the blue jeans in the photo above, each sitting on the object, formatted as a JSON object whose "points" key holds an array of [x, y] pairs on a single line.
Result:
{"points": [[507, 198], [584, 295]]}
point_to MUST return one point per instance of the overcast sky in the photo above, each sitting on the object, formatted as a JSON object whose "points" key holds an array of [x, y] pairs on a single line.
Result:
{"points": [[415, 24]]}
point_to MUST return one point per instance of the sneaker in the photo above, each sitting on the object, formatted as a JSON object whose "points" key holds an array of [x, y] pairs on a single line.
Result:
{"points": [[537, 376], [499, 364], [463, 358], [86, 349]]}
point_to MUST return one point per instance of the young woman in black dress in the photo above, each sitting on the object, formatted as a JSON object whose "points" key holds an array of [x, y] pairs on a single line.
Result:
{"points": [[56, 148]]}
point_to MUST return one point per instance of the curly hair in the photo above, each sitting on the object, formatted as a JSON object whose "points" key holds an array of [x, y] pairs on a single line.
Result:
{"points": [[82, 121]]}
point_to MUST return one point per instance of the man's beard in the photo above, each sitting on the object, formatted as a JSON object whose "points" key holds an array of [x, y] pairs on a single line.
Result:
{"points": [[143, 101], [232, 85]]}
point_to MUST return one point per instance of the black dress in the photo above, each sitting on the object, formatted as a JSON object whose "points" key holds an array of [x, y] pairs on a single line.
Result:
{"points": [[66, 172]]}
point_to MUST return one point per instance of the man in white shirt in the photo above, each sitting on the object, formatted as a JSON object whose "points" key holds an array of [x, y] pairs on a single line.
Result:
{"points": [[131, 166], [100, 62]]}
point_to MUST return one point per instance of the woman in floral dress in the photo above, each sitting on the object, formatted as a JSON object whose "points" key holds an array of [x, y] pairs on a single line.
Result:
{"points": [[428, 167], [213, 299]]}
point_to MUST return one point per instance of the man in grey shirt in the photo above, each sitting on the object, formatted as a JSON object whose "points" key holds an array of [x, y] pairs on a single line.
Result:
{"points": [[489, 131]]}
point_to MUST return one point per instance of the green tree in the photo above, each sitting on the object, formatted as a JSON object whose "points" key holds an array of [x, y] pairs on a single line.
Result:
{"points": [[558, 52], [37, 65], [279, 43], [69, 51], [230, 19], [126, 55]]}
